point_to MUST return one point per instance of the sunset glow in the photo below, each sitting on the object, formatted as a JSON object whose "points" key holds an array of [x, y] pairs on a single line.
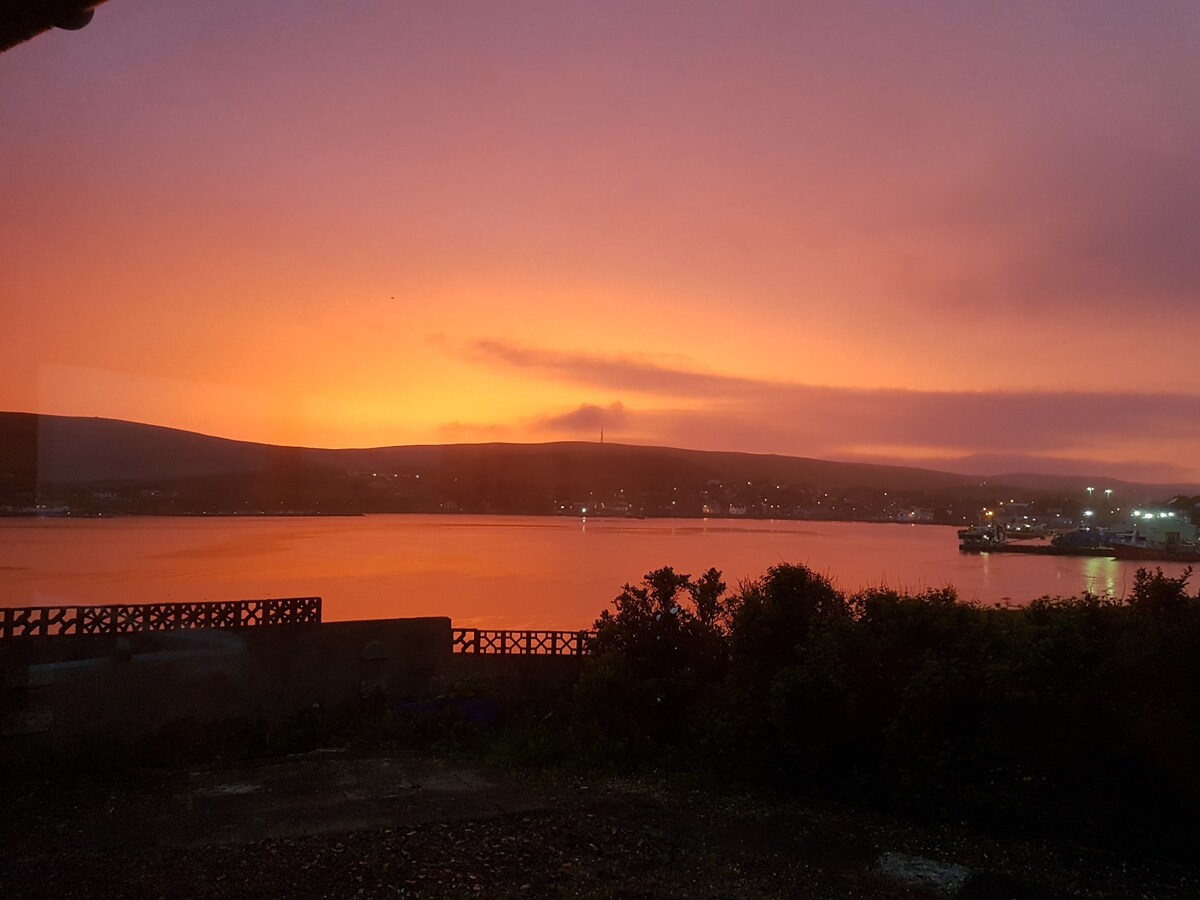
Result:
{"points": [[952, 235]]}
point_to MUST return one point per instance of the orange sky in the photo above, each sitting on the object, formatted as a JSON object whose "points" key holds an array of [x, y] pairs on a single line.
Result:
{"points": [[950, 235]]}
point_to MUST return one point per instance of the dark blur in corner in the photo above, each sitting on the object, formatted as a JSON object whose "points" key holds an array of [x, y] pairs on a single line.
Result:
{"points": [[21, 20]]}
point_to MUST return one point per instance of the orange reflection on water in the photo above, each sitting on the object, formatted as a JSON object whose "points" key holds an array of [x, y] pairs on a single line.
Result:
{"points": [[494, 571]]}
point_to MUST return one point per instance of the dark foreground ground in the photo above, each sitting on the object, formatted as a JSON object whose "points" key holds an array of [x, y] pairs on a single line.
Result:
{"points": [[338, 824]]}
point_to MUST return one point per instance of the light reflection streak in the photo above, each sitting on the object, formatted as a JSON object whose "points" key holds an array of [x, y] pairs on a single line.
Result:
{"points": [[1100, 575]]}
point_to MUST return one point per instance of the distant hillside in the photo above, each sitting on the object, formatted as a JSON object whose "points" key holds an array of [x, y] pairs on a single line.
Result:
{"points": [[65, 449], [83, 462], [68, 449], [644, 467]]}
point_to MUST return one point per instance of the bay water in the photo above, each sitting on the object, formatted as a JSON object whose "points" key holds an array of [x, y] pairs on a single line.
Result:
{"points": [[495, 571]]}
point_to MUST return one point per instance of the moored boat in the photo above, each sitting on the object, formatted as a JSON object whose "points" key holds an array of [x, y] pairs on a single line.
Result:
{"points": [[1086, 541], [1085, 538], [981, 537]]}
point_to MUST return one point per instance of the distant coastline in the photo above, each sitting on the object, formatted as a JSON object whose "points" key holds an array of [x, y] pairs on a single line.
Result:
{"points": [[90, 467]]}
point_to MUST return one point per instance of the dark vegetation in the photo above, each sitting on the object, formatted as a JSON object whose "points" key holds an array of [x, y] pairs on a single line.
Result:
{"points": [[1076, 717]]}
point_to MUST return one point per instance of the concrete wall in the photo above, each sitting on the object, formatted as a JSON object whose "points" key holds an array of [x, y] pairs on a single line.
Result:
{"points": [[62, 690]]}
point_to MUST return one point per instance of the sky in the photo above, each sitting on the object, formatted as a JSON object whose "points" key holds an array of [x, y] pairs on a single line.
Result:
{"points": [[961, 235]]}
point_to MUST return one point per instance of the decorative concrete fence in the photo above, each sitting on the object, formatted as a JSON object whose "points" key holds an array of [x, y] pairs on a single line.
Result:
{"points": [[521, 643], [30, 621]]}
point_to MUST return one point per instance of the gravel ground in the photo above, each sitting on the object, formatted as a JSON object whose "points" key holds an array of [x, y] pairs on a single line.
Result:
{"points": [[565, 838]]}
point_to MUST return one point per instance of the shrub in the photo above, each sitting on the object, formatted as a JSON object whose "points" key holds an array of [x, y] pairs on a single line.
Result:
{"points": [[772, 619], [653, 659], [1077, 712]]}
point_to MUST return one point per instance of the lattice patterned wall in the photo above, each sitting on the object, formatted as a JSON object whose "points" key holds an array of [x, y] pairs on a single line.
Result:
{"points": [[522, 643], [126, 618]]}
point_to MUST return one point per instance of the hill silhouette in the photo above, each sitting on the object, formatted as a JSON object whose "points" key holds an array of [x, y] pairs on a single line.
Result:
{"points": [[61, 459]]}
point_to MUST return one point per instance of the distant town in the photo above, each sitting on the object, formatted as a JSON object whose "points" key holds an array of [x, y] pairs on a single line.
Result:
{"points": [[369, 493]]}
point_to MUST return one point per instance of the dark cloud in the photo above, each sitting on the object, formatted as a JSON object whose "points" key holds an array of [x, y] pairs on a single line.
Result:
{"points": [[968, 419], [611, 372], [851, 441], [586, 419], [981, 430], [998, 421], [855, 441]]}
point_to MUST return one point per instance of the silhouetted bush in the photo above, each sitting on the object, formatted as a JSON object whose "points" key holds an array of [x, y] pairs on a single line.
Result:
{"points": [[653, 663], [1078, 712], [772, 619], [1155, 594]]}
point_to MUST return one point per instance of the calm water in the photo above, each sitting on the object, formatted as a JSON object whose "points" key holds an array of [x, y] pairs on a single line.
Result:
{"points": [[495, 571]]}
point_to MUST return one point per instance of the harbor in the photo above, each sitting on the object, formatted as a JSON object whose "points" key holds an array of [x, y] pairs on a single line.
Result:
{"points": [[1145, 535]]}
